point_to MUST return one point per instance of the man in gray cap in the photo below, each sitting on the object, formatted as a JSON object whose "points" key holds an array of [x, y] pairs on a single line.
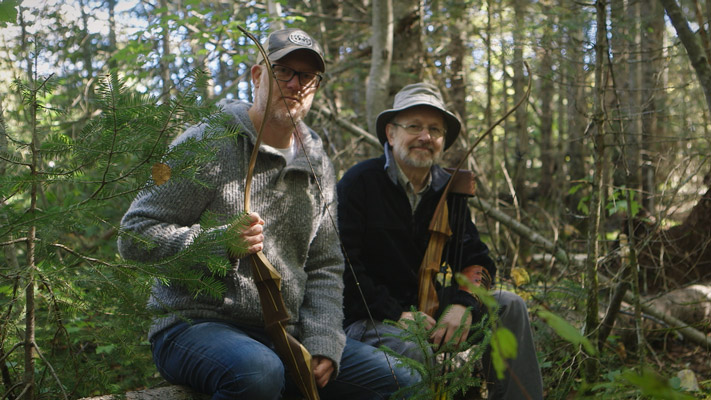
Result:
{"points": [[217, 345], [385, 206]]}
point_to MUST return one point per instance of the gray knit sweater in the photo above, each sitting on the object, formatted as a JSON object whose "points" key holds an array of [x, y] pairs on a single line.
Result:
{"points": [[300, 239]]}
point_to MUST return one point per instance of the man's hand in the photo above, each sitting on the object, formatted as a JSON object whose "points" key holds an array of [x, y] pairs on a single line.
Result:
{"points": [[448, 324], [410, 316], [248, 236], [322, 368], [478, 276]]}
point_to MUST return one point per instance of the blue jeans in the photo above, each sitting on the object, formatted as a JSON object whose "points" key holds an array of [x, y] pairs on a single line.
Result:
{"points": [[234, 362]]}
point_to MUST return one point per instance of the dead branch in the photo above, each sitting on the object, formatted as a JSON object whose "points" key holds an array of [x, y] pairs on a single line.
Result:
{"points": [[688, 332]]}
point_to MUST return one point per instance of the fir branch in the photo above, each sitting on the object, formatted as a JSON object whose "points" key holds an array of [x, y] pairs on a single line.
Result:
{"points": [[51, 369], [441, 371], [157, 122], [83, 257], [14, 241]]}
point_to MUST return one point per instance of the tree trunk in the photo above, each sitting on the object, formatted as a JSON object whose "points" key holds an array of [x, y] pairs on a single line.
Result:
{"points": [[546, 125], [9, 256], [577, 107], [165, 54], [626, 151], [697, 56], [522, 150], [591, 366], [458, 72], [380, 62], [561, 181], [494, 182], [274, 11], [505, 164], [86, 50], [652, 44], [29, 345], [408, 55], [632, 149], [112, 33]]}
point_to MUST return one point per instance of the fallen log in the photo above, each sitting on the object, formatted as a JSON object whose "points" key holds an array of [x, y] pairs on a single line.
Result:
{"points": [[691, 305], [683, 328], [173, 392]]}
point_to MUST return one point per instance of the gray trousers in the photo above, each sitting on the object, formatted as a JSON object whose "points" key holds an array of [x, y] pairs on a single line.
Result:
{"points": [[523, 374]]}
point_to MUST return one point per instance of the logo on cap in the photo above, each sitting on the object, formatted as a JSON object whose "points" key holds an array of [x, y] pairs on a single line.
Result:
{"points": [[300, 39]]}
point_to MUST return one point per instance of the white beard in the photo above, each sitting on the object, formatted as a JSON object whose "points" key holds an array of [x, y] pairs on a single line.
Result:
{"points": [[416, 162]]}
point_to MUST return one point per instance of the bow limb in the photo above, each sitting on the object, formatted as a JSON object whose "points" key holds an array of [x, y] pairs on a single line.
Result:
{"points": [[294, 355], [267, 109], [268, 280], [440, 232]]}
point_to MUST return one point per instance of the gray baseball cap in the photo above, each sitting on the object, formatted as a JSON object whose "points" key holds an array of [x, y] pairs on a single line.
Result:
{"points": [[419, 94], [284, 41]]}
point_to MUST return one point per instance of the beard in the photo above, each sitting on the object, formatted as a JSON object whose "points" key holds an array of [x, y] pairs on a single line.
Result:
{"points": [[415, 160], [280, 111], [283, 112]]}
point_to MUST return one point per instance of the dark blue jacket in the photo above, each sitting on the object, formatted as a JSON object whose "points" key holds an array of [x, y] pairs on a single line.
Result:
{"points": [[385, 242]]}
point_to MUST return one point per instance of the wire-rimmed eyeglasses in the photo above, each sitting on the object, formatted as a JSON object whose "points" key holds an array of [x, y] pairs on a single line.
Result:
{"points": [[415, 129], [306, 79]]}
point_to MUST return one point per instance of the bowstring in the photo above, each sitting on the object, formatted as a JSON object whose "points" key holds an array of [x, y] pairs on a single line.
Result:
{"points": [[454, 258], [297, 133], [340, 241]]}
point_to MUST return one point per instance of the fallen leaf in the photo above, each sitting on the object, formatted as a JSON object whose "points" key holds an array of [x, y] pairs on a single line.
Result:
{"points": [[160, 173]]}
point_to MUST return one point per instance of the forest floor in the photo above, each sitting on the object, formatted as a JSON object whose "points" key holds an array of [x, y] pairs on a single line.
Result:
{"points": [[679, 355]]}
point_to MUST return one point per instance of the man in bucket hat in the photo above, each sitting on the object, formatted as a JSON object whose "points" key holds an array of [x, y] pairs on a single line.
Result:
{"points": [[218, 345], [385, 207]]}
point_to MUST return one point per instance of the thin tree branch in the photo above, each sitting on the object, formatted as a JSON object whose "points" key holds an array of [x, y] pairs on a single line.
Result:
{"points": [[349, 126], [51, 369], [688, 332]]}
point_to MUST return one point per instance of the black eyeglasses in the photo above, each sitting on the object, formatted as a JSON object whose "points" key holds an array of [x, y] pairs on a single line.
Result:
{"points": [[415, 129], [306, 79]]}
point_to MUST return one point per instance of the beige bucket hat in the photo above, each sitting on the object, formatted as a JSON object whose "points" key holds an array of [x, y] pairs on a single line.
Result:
{"points": [[419, 94]]}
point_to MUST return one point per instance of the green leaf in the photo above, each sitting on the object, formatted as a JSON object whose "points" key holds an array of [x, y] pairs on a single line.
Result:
{"points": [[619, 205], [575, 189], [8, 12], [653, 385], [566, 331], [503, 347]]}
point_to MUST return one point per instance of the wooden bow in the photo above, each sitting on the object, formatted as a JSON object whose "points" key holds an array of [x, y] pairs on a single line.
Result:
{"points": [[440, 231], [268, 280]]}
